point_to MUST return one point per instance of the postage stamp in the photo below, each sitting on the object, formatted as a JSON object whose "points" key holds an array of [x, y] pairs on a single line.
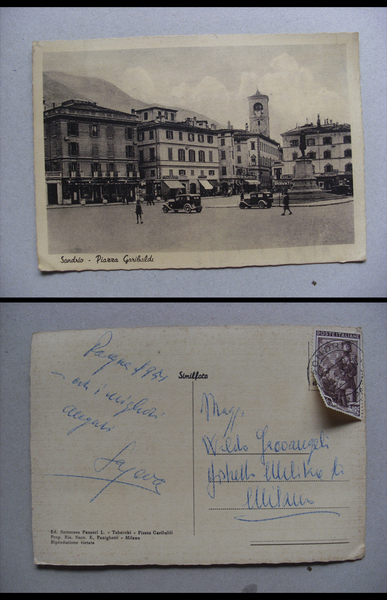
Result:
{"points": [[337, 368]]}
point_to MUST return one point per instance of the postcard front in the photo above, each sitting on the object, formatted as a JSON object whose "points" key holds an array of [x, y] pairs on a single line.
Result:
{"points": [[204, 445], [186, 152]]}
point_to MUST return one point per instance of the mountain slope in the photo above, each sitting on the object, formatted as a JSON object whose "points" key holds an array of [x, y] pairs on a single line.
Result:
{"points": [[59, 87]]}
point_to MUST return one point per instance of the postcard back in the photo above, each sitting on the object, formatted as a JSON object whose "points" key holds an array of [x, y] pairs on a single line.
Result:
{"points": [[202, 445]]}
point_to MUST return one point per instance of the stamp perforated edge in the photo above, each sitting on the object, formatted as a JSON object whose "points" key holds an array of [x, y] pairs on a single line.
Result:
{"points": [[336, 338]]}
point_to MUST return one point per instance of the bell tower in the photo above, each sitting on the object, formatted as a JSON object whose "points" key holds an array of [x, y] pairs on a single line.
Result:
{"points": [[259, 113]]}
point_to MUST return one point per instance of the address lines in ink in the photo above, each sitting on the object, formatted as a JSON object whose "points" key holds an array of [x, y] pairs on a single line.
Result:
{"points": [[270, 496]]}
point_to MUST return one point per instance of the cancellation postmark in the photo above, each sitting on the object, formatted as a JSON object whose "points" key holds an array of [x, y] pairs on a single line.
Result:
{"points": [[337, 367]]}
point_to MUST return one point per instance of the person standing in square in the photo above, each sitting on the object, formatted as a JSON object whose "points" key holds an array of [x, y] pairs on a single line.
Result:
{"points": [[286, 205], [139, 212]]}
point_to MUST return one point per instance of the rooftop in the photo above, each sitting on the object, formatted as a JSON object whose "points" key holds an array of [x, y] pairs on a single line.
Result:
{"points": [[246, 134], [159, 107], [326, 127], [198, 125], [76, 107]]}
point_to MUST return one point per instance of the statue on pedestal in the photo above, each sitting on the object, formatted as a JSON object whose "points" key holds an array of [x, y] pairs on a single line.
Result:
{"points": [[303, 143]]}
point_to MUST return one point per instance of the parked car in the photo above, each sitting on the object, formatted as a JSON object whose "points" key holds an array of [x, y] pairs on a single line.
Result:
{"points": [[187, 202], [257, 200], [342, 189]]}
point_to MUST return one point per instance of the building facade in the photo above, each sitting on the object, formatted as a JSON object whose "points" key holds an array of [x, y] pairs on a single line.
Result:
{"points": [[247, 157], [176, 156], [98, 155], [328, 145], [90, 154]]}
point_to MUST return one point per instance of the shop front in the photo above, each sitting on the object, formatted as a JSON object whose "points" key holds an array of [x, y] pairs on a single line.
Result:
{"points": [[98, 191], [170, 188], [206, 188]]}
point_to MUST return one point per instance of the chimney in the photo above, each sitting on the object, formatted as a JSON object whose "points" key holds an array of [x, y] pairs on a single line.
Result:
{"points": [[194, 120], [228, 125], [246, 127], [53, 105]]}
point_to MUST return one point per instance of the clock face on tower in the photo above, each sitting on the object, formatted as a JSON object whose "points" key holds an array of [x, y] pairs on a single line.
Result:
{"points": [[258, 109]]}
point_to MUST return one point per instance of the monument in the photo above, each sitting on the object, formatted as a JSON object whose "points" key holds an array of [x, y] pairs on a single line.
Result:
{"points": [[304, 183]]}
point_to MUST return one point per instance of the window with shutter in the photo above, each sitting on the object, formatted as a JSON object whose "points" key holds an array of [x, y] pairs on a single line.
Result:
{"points": [[94, 130], [73, 149], [95, 151], [72, 128], [110, 150]]}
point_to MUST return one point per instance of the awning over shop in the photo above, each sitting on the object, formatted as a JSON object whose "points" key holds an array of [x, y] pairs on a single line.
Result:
{"points": [[206, 184], [174, 185]]}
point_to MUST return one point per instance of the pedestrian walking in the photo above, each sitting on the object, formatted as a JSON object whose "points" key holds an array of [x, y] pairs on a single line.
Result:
{"points": [[286, 205], [139, 212]]}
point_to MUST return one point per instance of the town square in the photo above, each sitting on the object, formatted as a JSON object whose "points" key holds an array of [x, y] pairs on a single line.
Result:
{"points": [[147, 156]]}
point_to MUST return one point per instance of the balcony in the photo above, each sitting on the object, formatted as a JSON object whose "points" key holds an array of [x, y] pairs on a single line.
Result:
{"points": [[53, 174]]}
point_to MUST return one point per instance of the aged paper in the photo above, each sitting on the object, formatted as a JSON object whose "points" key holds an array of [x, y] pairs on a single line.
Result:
{"points": [[147, 149], [203, 445]]}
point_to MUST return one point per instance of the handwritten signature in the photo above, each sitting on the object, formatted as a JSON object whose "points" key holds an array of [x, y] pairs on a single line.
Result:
{"points": [[116, 468]]}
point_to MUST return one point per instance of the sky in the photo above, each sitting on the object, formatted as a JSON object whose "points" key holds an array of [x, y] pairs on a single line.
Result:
{"points": [[301, 81]]}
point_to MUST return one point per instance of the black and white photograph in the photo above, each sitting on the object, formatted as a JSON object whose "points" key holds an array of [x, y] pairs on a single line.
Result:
{"points": [[198, 152]]}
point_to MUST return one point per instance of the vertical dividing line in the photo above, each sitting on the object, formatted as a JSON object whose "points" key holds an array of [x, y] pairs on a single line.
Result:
{"points": [[193, 456]]}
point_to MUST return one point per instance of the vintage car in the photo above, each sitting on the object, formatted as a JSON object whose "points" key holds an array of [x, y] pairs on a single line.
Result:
{"points": [[342, 190], [186, 202], [257, 200]]}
